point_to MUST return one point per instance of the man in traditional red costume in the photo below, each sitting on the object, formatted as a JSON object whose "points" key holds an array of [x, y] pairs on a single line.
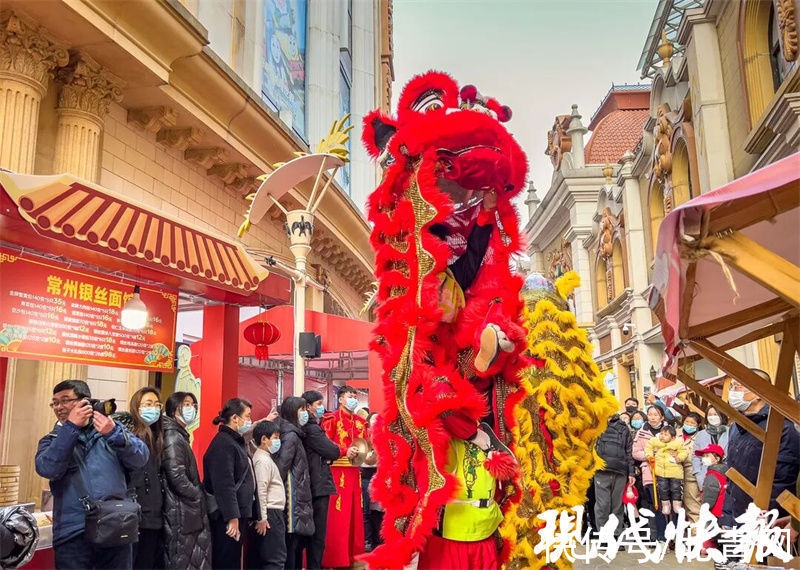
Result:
{"points": [[345, 538]]}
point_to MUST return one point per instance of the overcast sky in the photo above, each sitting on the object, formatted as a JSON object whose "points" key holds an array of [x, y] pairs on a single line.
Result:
{"points": [[536, 56]]}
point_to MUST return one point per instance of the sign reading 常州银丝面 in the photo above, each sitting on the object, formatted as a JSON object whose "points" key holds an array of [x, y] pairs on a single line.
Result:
{"points": [[49, 311]]}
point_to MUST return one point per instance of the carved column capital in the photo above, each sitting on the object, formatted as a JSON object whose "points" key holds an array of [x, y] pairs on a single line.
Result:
{"points": [[87, 86], [28, 50]]}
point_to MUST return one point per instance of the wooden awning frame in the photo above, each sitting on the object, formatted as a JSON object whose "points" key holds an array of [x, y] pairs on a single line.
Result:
{"points": [[721, 227], [782, 278]]}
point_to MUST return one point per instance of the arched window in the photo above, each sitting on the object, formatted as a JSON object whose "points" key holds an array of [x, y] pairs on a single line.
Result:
{"points": [[656, 207], [618, 269], [681, 177], [601, 288], [763, 57]]}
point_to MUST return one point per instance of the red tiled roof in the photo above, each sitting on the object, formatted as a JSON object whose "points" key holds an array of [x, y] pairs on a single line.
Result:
{"points": [[617, 132], [75, 211]]}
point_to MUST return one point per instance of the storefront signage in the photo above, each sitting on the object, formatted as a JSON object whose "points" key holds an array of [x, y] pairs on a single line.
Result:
{"points": [[50, 311]]}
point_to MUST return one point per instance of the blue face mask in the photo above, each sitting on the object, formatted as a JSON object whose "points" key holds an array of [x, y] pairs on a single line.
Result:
{"points": [[149, 415], [274, 446], [246, 427], [189, 413], [351, 403], [302, 417], [637, 424], [690, 429], [319, 411]]}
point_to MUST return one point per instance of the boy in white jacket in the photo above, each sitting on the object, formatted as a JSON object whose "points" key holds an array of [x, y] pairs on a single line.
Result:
{"points": [[268, 545]]}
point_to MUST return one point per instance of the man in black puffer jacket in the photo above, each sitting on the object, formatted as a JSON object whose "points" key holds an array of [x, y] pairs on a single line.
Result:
{"points": [[614, 448], [744, 453], [321, 451]]}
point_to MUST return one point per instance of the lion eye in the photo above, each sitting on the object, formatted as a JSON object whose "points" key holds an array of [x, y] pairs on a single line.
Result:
{"points": [[428, 101]]}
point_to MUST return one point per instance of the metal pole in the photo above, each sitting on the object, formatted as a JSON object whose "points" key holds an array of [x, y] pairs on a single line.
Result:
{"points": [[299, 327], [280, 387], [300, 226]]}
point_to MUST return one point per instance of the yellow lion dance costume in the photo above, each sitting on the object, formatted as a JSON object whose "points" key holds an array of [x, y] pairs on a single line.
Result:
{"points": [[558, 422]]}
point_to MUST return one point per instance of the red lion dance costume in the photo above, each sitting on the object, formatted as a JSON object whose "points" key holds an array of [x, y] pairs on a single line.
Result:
{"points": [[449, 327]]}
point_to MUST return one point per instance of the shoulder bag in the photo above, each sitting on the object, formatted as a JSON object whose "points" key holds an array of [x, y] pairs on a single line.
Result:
{"points": [[109, 522]]}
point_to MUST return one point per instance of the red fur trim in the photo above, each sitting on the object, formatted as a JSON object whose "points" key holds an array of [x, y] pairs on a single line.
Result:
{"points": [[418, 85], [368, 135], [501, 466]]}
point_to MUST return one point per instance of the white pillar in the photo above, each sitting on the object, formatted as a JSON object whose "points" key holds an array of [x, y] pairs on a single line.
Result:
{"points": [[363, 98], [710, 114], [322, 69], [584, 310]]}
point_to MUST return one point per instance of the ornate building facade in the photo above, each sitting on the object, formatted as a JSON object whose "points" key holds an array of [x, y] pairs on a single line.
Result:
{"points": [[172, 103], [724, 100]]}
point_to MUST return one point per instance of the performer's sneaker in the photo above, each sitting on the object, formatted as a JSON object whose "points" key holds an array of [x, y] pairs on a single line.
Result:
{"points": [[493, 340]]}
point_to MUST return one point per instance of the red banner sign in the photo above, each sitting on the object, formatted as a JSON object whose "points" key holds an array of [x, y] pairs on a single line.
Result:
{"points": [[51, 312]]}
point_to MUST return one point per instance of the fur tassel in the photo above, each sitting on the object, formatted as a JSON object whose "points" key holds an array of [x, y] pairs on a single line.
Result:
{"points": [[567, 283], [501, 465]]}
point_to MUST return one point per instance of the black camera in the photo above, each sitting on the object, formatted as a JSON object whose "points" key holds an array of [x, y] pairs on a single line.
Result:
{"points": [[105, 407]]}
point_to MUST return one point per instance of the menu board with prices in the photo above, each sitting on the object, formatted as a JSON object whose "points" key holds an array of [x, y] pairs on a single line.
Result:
{"points": [[50, 311]]}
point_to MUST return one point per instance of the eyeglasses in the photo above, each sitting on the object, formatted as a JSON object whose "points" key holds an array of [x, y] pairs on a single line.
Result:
{"points": [[61, 403], [157, 405]]}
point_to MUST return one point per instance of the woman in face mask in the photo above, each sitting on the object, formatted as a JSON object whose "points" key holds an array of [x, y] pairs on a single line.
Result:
{"points": [[187, 536], [229, 479], [691, 489], [650, 429], [144, 420], [292, 462], [714, 432], [321, 451]]}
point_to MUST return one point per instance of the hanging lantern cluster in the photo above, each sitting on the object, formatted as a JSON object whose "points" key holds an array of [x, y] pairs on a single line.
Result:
{"points": [[262, 334]]}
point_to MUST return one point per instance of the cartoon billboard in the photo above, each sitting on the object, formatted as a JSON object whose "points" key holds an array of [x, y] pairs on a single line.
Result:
{"points": [[284, 82]]}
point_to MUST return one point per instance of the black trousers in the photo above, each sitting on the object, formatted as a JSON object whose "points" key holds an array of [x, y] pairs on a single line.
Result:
{"points": [[314, 545], [148, 552], [294, 551], [669, 489], [226, 553], [79, 554], [268, 552]]}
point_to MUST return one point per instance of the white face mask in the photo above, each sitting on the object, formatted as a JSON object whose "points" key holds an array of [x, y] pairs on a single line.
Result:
{"points": [[714, 420], [737, 401], [707, 461]]}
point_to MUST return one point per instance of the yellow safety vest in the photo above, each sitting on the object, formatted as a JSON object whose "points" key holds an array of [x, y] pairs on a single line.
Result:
{"points": [[472, 514]]}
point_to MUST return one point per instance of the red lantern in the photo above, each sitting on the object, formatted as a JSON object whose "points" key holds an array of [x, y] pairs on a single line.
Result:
{"points": [[262, 334]]}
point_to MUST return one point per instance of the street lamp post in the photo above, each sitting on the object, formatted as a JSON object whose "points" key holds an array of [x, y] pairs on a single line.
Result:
{"points": [[331, 153]]}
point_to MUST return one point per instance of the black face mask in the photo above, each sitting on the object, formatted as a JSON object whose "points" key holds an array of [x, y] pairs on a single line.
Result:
{"points": [[630, 409]]}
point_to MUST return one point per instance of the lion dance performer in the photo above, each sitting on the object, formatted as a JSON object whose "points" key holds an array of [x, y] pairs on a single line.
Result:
{"points": [[565, 409], [450, 337], [449, 327]]}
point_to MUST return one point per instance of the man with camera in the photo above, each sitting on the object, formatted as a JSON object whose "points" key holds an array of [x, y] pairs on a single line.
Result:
{"points": [[85, 458]]}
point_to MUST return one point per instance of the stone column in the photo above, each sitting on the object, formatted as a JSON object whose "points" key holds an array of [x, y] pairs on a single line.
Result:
{"points": [[87, 91], [709, 110], [584, 310], [28, 55]]}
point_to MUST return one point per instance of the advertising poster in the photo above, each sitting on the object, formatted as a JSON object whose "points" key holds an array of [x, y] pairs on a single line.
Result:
{"points": [[285, 59], [49, 311]]}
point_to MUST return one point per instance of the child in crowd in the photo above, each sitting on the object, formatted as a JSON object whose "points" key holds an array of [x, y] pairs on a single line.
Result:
{"points": [[715, 483], [667, 454], [268, 545]]}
